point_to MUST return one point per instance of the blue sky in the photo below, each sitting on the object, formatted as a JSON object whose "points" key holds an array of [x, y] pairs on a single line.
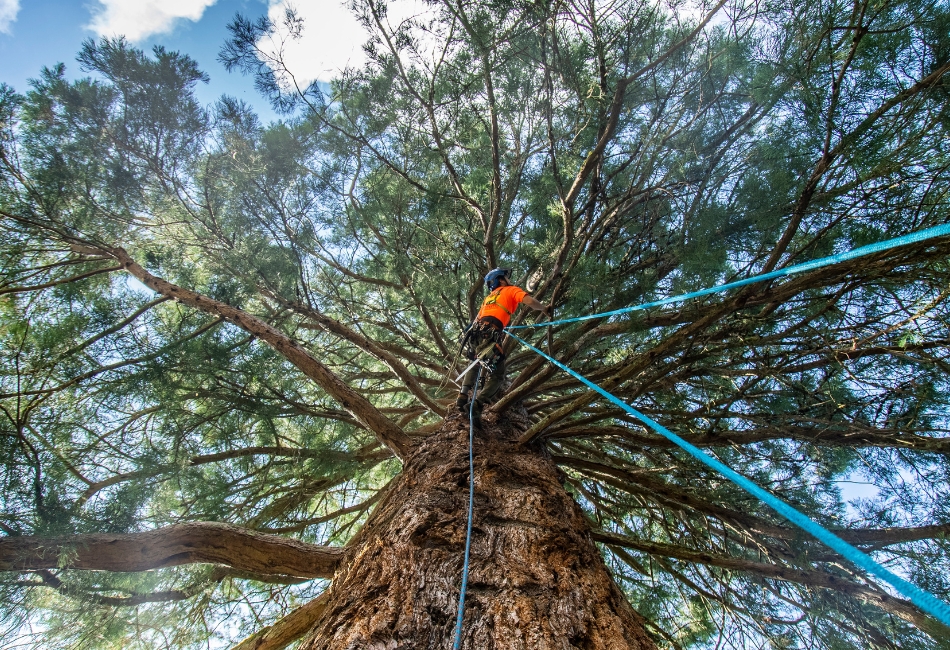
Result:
{"points": [[37, 33]]}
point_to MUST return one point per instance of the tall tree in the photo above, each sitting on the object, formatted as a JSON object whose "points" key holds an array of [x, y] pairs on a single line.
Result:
{"points": [[227, 347]]}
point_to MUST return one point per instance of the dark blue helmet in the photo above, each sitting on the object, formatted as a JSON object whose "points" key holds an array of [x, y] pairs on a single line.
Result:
{"points": [[494, 277]]}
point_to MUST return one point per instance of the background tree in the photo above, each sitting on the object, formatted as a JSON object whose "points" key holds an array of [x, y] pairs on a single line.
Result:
{"points": [[226, 345]]}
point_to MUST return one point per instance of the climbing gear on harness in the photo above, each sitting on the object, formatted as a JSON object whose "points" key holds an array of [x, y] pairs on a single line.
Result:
{"points": [[484, 339], [487, 326], [481, 345], [494, 277], [470, 339], [483, 328]]}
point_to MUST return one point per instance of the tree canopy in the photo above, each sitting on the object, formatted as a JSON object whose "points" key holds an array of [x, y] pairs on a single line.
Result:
{"points": [[226, 334]]}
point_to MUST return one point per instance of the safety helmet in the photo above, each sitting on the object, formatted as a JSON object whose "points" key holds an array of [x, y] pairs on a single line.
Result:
{"points": [[494, 277]]}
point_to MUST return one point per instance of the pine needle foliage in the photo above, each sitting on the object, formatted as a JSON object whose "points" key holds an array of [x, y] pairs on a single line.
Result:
{"points": [[611, 153]]}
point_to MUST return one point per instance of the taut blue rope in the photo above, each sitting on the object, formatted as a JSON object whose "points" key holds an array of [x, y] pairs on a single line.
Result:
{"points": [[471, 500], [862, 251], [926, 601]]}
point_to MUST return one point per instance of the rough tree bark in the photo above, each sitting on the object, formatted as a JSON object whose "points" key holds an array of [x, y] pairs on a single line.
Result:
{"points": [[536, 579]]}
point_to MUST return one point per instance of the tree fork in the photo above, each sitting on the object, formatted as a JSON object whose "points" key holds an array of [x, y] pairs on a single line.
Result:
{"points": [[536, 578]]}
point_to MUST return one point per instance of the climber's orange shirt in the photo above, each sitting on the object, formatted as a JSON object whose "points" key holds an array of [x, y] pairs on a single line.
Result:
{"points": [[502, 303]]}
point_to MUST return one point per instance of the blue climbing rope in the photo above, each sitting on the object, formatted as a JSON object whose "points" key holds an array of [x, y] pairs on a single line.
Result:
{"points": [[926, 601], [912, 238], [471, 500]]}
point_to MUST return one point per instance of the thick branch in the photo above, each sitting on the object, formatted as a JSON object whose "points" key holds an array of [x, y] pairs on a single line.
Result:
{"points": [[172, 546], [895, 535], [808, 578], [368, 345], [361, 408], [846, 435]]}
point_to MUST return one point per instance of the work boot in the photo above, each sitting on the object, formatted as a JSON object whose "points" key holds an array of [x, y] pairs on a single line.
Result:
{"points": [[461, 403], [477, 413]]}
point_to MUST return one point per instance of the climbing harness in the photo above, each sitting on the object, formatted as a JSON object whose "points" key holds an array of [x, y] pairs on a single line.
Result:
{"points": [[485, 346], [923, 599], [468, 531]]}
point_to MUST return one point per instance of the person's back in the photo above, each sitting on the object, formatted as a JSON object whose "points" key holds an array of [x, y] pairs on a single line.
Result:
{"points": [[502, 303]]}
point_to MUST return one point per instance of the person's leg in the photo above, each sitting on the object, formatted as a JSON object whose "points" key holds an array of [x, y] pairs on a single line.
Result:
{"points": [[495, 379], [468, 381], [493, 383]]}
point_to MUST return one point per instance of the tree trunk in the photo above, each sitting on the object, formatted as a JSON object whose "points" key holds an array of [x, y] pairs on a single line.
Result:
{"points": [[536, 579]]}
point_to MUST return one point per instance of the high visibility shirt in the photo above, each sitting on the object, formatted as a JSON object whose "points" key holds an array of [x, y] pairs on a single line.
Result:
{"points": [[502, 303]]}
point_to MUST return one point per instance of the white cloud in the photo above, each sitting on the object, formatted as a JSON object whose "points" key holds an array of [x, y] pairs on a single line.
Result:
{"points": [[332, 38], [139, 19], [8, 12]]}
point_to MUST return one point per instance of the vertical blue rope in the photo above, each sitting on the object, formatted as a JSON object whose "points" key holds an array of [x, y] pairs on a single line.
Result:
{"points": [[471, 500], [926, 601]]}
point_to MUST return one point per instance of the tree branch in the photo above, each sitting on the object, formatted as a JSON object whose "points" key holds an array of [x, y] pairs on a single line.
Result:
{"points": [[368, 345], [616, 106], [54, 283], [361, 408], [283, 452], [808, 578], [288, 629], [829, 156], [175, 545]]}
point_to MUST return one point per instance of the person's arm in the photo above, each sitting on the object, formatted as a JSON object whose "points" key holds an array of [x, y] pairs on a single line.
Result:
{"points": [[536, 305]]}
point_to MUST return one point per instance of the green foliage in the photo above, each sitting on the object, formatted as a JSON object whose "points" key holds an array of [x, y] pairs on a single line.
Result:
{"points": [[778, 134]]}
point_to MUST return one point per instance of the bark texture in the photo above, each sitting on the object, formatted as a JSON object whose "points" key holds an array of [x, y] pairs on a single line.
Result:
{"points": [[536, 579]]}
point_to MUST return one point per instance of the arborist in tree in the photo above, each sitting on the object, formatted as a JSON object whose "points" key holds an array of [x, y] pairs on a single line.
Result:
{"points": [[484, 338]]}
